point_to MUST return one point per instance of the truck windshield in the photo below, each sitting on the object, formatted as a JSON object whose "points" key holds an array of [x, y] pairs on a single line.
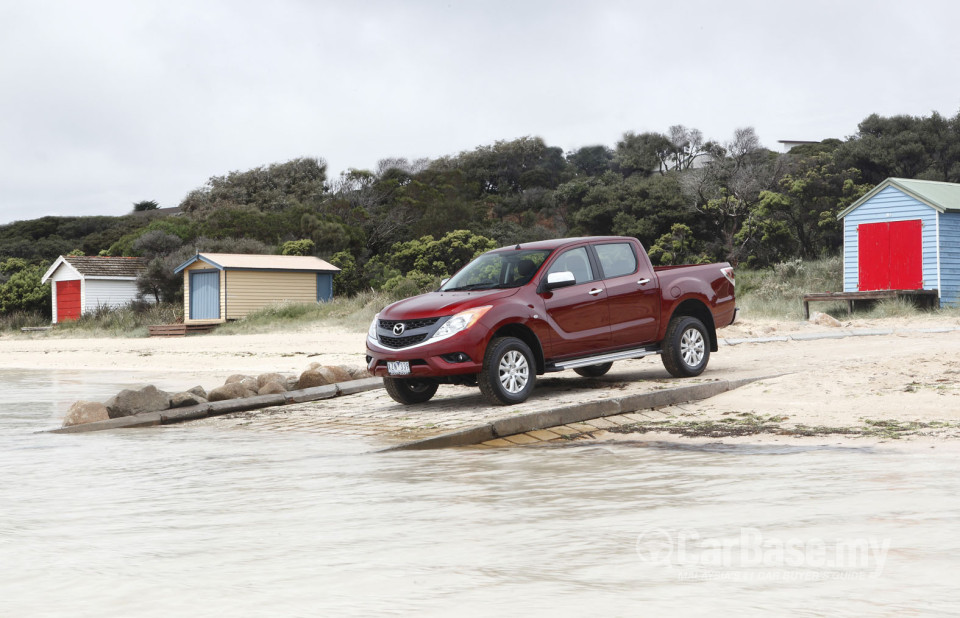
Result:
{"points": [[502, 269]]}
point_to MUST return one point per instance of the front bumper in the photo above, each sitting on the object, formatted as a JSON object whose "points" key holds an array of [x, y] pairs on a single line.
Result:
{"points": [[427, 359]]}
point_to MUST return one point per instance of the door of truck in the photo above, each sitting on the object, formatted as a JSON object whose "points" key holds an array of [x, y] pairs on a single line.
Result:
{"points": [[578, 315], [633, 297]]}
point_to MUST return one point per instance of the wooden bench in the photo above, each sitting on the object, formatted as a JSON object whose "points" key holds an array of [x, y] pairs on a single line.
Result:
{"points": [[179, 330], [928, 298]]}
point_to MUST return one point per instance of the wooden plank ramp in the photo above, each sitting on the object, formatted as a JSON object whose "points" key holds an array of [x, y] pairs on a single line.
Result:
{"points": [[179, 330]]}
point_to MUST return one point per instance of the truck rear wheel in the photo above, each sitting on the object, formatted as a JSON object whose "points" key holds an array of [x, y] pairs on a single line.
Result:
{"points": [[410, 390], [508, 373], [594, 371], [686, 347]]}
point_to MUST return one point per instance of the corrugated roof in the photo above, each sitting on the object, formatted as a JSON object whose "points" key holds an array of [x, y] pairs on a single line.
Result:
{"points": [[251, 261], [94, 266], [942, 196]]}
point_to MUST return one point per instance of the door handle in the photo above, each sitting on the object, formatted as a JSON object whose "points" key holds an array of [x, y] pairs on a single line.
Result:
{"points": [[643, 281], [594, 291]]}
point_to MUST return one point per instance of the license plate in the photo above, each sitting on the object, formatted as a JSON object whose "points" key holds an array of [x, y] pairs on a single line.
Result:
{"points": [[398, 368]]}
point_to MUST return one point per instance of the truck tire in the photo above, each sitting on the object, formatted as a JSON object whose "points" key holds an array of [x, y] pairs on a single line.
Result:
{"points": [[686, 347], [594, 371], [410, 390], [509, 372]]}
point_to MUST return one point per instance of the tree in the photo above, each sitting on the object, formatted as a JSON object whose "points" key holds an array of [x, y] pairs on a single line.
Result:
{"points": [[729, 186], [798, 217], [679, 246], [298, 247], [22, 291], [271, 188], [145, 205]]}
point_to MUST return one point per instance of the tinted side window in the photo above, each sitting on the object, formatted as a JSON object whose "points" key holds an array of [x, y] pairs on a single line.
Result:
{"points": [[617, 259], [575, 261]]}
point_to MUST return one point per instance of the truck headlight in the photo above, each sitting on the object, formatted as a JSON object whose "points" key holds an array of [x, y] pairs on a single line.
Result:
{"points": [[372, 332], [460, 322]]}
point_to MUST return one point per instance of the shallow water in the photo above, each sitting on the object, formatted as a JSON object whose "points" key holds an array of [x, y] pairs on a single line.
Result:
{"points": [[191, 520]]}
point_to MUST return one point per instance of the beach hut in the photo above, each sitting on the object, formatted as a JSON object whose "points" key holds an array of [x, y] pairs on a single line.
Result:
{"points": [[904, 235], [80, 284], [227, 286]]}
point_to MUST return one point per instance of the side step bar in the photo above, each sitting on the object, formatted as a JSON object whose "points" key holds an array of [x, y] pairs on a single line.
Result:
{"points": [[602, 358]]}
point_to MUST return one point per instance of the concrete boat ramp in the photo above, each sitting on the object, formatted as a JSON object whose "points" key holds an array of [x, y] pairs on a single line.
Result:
{"points": [[564, 407]]}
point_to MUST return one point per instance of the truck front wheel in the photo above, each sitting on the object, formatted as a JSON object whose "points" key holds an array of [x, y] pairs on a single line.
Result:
{"points": [[410, 390], [508, 372], [686, 347]]}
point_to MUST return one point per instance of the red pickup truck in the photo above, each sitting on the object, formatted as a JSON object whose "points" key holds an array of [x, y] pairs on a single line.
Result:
{"points": [[574, 303]]}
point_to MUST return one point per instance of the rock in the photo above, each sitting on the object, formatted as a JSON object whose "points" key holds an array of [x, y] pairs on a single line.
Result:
{"points": [[291, 383], [359, 373], [147, 399], [85, 412], [233, 390], [266, 378], [337, 374], [272, 388], [321, 375], [186, 398], [824, 320], [311, 378], [250, 384], [199, 391], [238, 377]]}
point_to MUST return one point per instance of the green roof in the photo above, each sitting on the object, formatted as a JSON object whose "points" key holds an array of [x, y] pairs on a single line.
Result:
{"points": [[941, 196]]}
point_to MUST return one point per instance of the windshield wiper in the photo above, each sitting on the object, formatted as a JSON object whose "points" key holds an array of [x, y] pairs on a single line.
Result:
{"points": [[473, 286]]}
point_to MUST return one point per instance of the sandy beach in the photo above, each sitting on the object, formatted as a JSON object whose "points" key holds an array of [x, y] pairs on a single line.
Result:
{"points": [[824, 379]]}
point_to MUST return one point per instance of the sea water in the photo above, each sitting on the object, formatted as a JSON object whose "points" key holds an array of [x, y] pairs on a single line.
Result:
{"points": [[222, 520]]}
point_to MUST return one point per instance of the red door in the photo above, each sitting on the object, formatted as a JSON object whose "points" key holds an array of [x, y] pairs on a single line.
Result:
{"points": [[891, 255], [68, 300]]}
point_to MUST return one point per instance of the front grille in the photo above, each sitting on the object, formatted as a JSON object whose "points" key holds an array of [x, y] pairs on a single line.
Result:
{"points": [[408, 324], [401, 342]]}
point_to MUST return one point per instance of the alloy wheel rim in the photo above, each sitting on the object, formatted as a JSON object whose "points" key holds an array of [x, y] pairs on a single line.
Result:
{"points": [[692, 347], [514, 372]]}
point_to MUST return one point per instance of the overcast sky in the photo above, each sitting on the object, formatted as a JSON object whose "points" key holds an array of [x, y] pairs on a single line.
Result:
{"points": [[103, 104]]}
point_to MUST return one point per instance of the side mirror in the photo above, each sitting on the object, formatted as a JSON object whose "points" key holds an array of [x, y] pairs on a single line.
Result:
{"points": [[562, 279]]}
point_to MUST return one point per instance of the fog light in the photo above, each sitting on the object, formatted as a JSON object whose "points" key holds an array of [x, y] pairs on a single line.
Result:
{"points": [[456, 357]]}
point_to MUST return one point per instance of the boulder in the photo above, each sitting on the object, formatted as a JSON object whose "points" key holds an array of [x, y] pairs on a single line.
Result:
{"points": [[233, 390], [337, 374], [199, 391], [825, 320], [320, 375], [359, 373], [268, 378], [272, 388], [147, 399], [186, 398], [250, 384], [85, 412], [311, 378], [238, 377]]}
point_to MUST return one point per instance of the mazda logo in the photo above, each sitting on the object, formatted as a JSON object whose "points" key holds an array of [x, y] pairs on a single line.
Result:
{"points": [[398, 328]]}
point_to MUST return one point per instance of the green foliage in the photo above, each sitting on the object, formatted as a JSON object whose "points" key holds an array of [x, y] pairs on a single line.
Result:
{"points": [[411, 284], [679, 246], [304, 246], [905, 147], [272, 188], [145, 205], [22, 290], [439, 258]]}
